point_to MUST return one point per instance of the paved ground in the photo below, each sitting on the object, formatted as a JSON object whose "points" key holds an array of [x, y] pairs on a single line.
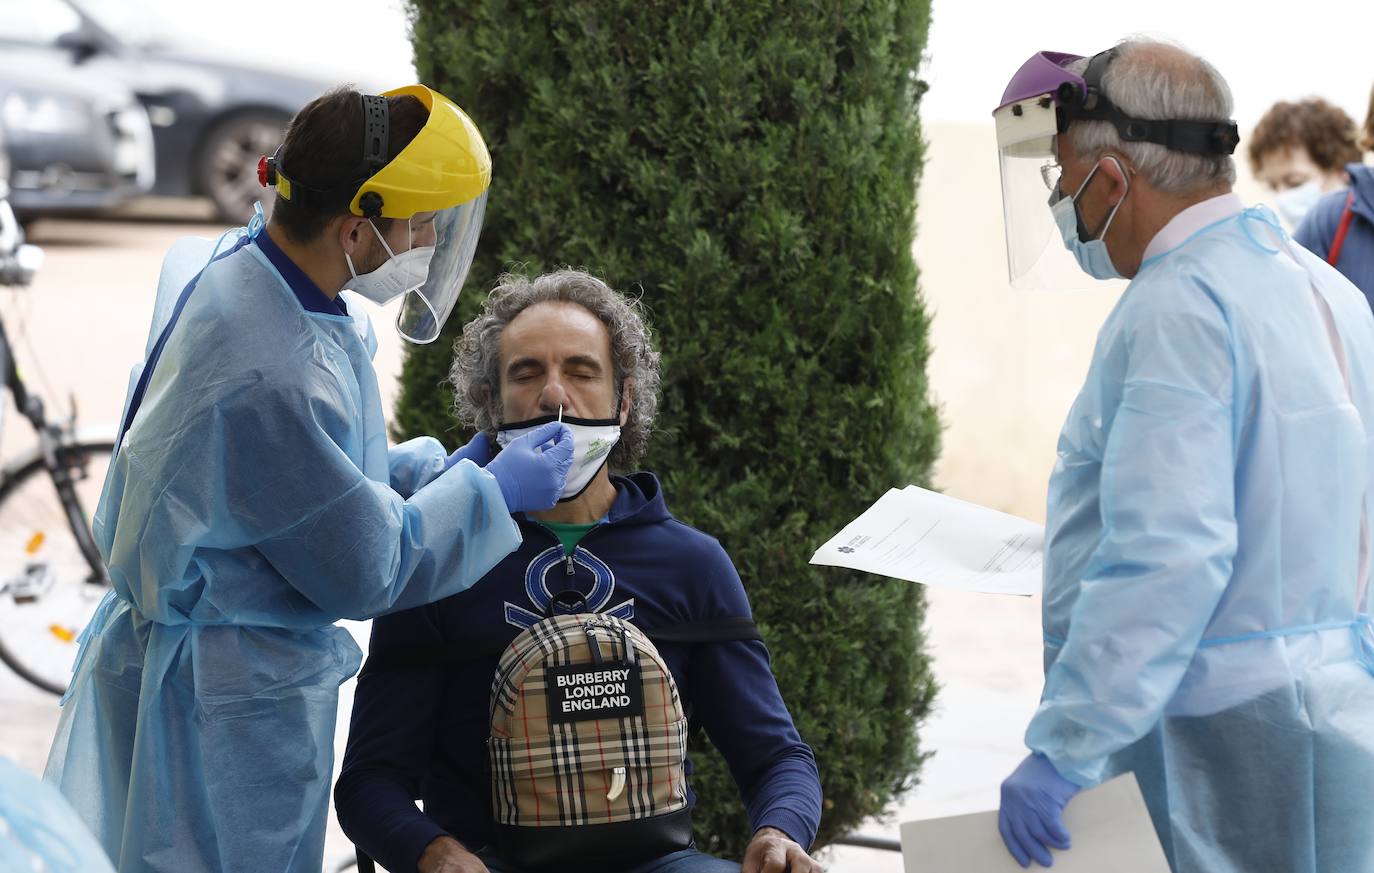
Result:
{"points": [[1004, 368]]}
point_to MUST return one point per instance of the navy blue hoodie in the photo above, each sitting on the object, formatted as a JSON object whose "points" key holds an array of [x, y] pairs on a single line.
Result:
{"points": [[422, 733], [1318, 230]]}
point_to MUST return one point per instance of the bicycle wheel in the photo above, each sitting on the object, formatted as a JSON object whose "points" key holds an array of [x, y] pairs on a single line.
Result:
{"points": [[46, 590]]}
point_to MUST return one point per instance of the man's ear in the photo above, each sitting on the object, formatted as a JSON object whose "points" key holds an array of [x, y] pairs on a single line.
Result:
{"points": [[627, 396], [351, 234], [1117, 176]]}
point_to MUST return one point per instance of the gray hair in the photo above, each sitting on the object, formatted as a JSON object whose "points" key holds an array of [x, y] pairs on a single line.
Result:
{"points": [[1149, 79], [476, 371]]}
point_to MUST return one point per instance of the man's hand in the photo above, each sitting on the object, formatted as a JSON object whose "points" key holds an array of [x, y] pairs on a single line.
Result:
{"points": [[1031, 818], [772, 851], [447, 855]]}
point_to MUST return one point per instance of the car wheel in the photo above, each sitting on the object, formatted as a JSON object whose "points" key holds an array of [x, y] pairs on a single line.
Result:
{"points": [[227, 172]]}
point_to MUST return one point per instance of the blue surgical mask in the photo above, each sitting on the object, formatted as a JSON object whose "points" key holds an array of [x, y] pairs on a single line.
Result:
{"points": [[1091, 254]]}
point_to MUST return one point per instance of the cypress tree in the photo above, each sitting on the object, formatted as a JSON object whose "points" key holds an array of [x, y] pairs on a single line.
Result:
{"points": [[749, 168]]}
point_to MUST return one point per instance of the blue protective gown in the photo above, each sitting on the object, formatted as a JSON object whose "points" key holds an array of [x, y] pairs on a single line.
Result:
{"points": [[36, 822], [1205, 577], [250, 505]]}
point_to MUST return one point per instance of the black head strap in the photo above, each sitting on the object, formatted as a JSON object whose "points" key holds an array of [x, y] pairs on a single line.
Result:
{"points": [[376, 135], [1176, 134], [376, 130]]}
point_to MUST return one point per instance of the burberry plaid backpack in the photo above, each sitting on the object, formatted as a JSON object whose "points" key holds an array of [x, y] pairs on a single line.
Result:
{"points": [[588, 743], [592, 778]]}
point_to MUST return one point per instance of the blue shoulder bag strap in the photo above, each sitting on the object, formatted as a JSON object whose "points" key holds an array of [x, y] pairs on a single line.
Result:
{"points": [[146, 376]]}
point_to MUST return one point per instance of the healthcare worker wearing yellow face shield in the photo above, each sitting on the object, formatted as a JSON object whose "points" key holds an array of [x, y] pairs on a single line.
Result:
{"points": [[253, 499]]}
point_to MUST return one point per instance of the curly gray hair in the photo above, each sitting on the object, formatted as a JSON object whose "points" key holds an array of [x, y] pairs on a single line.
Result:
{"points": [[476, 371]]}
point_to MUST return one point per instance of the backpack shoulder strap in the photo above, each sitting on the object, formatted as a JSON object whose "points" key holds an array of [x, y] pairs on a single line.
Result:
{"points": [[431, 657], [717, 630]]}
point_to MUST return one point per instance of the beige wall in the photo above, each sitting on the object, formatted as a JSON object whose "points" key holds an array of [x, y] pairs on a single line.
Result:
{"points": [[1006, 363]]}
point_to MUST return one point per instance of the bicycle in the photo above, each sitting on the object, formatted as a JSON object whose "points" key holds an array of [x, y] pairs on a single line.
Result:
{"points": [[51, 574]]}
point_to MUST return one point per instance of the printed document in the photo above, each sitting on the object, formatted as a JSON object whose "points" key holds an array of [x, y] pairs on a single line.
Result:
{"points": [[934, 539], [1109, 826]]}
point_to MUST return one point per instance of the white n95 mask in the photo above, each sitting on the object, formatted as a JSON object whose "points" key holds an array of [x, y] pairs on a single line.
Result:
{"points": [[399, 274], [593, 439]]}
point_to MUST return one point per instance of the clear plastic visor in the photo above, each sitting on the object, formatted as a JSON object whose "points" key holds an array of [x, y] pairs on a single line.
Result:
{"points": [[1036, 255], [425, 308]]}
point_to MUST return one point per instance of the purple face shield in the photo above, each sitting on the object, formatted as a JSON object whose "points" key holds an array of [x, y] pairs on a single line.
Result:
{"points": [[1045, 82], [1027, 119], [1043, 75], [1043, 99]]}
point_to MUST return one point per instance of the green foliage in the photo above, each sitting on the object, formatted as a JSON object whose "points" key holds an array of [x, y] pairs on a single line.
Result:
{"points": [[750, 168]]}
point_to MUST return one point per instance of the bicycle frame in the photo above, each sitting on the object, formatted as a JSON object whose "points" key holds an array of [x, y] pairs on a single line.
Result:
{"points": [[52, 439]]}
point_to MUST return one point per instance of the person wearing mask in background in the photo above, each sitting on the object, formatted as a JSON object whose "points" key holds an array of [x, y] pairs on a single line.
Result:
{"points": [[1207, 538], [567, 344], [1300, 151], [253, 500], [1340, 228]]}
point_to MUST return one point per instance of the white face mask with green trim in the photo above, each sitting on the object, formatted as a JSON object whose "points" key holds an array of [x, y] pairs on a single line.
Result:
{"points": [[593, 439]]}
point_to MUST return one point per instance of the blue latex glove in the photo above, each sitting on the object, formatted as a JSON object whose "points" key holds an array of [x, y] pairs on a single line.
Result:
{"points": [[1033, 801], [478, 450], [533, 469]]}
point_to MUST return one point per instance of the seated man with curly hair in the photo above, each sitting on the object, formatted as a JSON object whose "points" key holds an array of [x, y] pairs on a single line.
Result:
{"points": [[566, 345]]}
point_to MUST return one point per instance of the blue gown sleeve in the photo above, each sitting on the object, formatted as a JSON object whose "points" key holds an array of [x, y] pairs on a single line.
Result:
{"points": [[390, 741], [415, 463], [349, 544], [1165, 554], [735, 698]]}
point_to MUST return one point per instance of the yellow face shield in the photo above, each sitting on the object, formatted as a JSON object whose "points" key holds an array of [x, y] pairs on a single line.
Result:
{"points": [[442, 174], [425, 309], [445, 165], [446, 170]]}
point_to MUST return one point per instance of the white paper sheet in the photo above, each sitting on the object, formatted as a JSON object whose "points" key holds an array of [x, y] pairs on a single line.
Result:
{"points": [[1109, 826], [934, 539]]}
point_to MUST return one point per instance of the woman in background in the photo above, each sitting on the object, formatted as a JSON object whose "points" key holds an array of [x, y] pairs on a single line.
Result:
{"points": [[1300, 151]]}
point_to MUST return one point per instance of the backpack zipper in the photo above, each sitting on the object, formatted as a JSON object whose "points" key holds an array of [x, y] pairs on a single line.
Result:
{"points": [[597, 658]]}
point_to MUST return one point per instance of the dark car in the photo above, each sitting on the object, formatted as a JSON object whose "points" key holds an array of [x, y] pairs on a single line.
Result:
{"points": [[75, 140], [211, 119]]}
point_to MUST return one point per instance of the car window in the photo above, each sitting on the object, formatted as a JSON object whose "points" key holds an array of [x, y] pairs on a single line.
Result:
{"points": [[132, 22], [37, 22]]}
